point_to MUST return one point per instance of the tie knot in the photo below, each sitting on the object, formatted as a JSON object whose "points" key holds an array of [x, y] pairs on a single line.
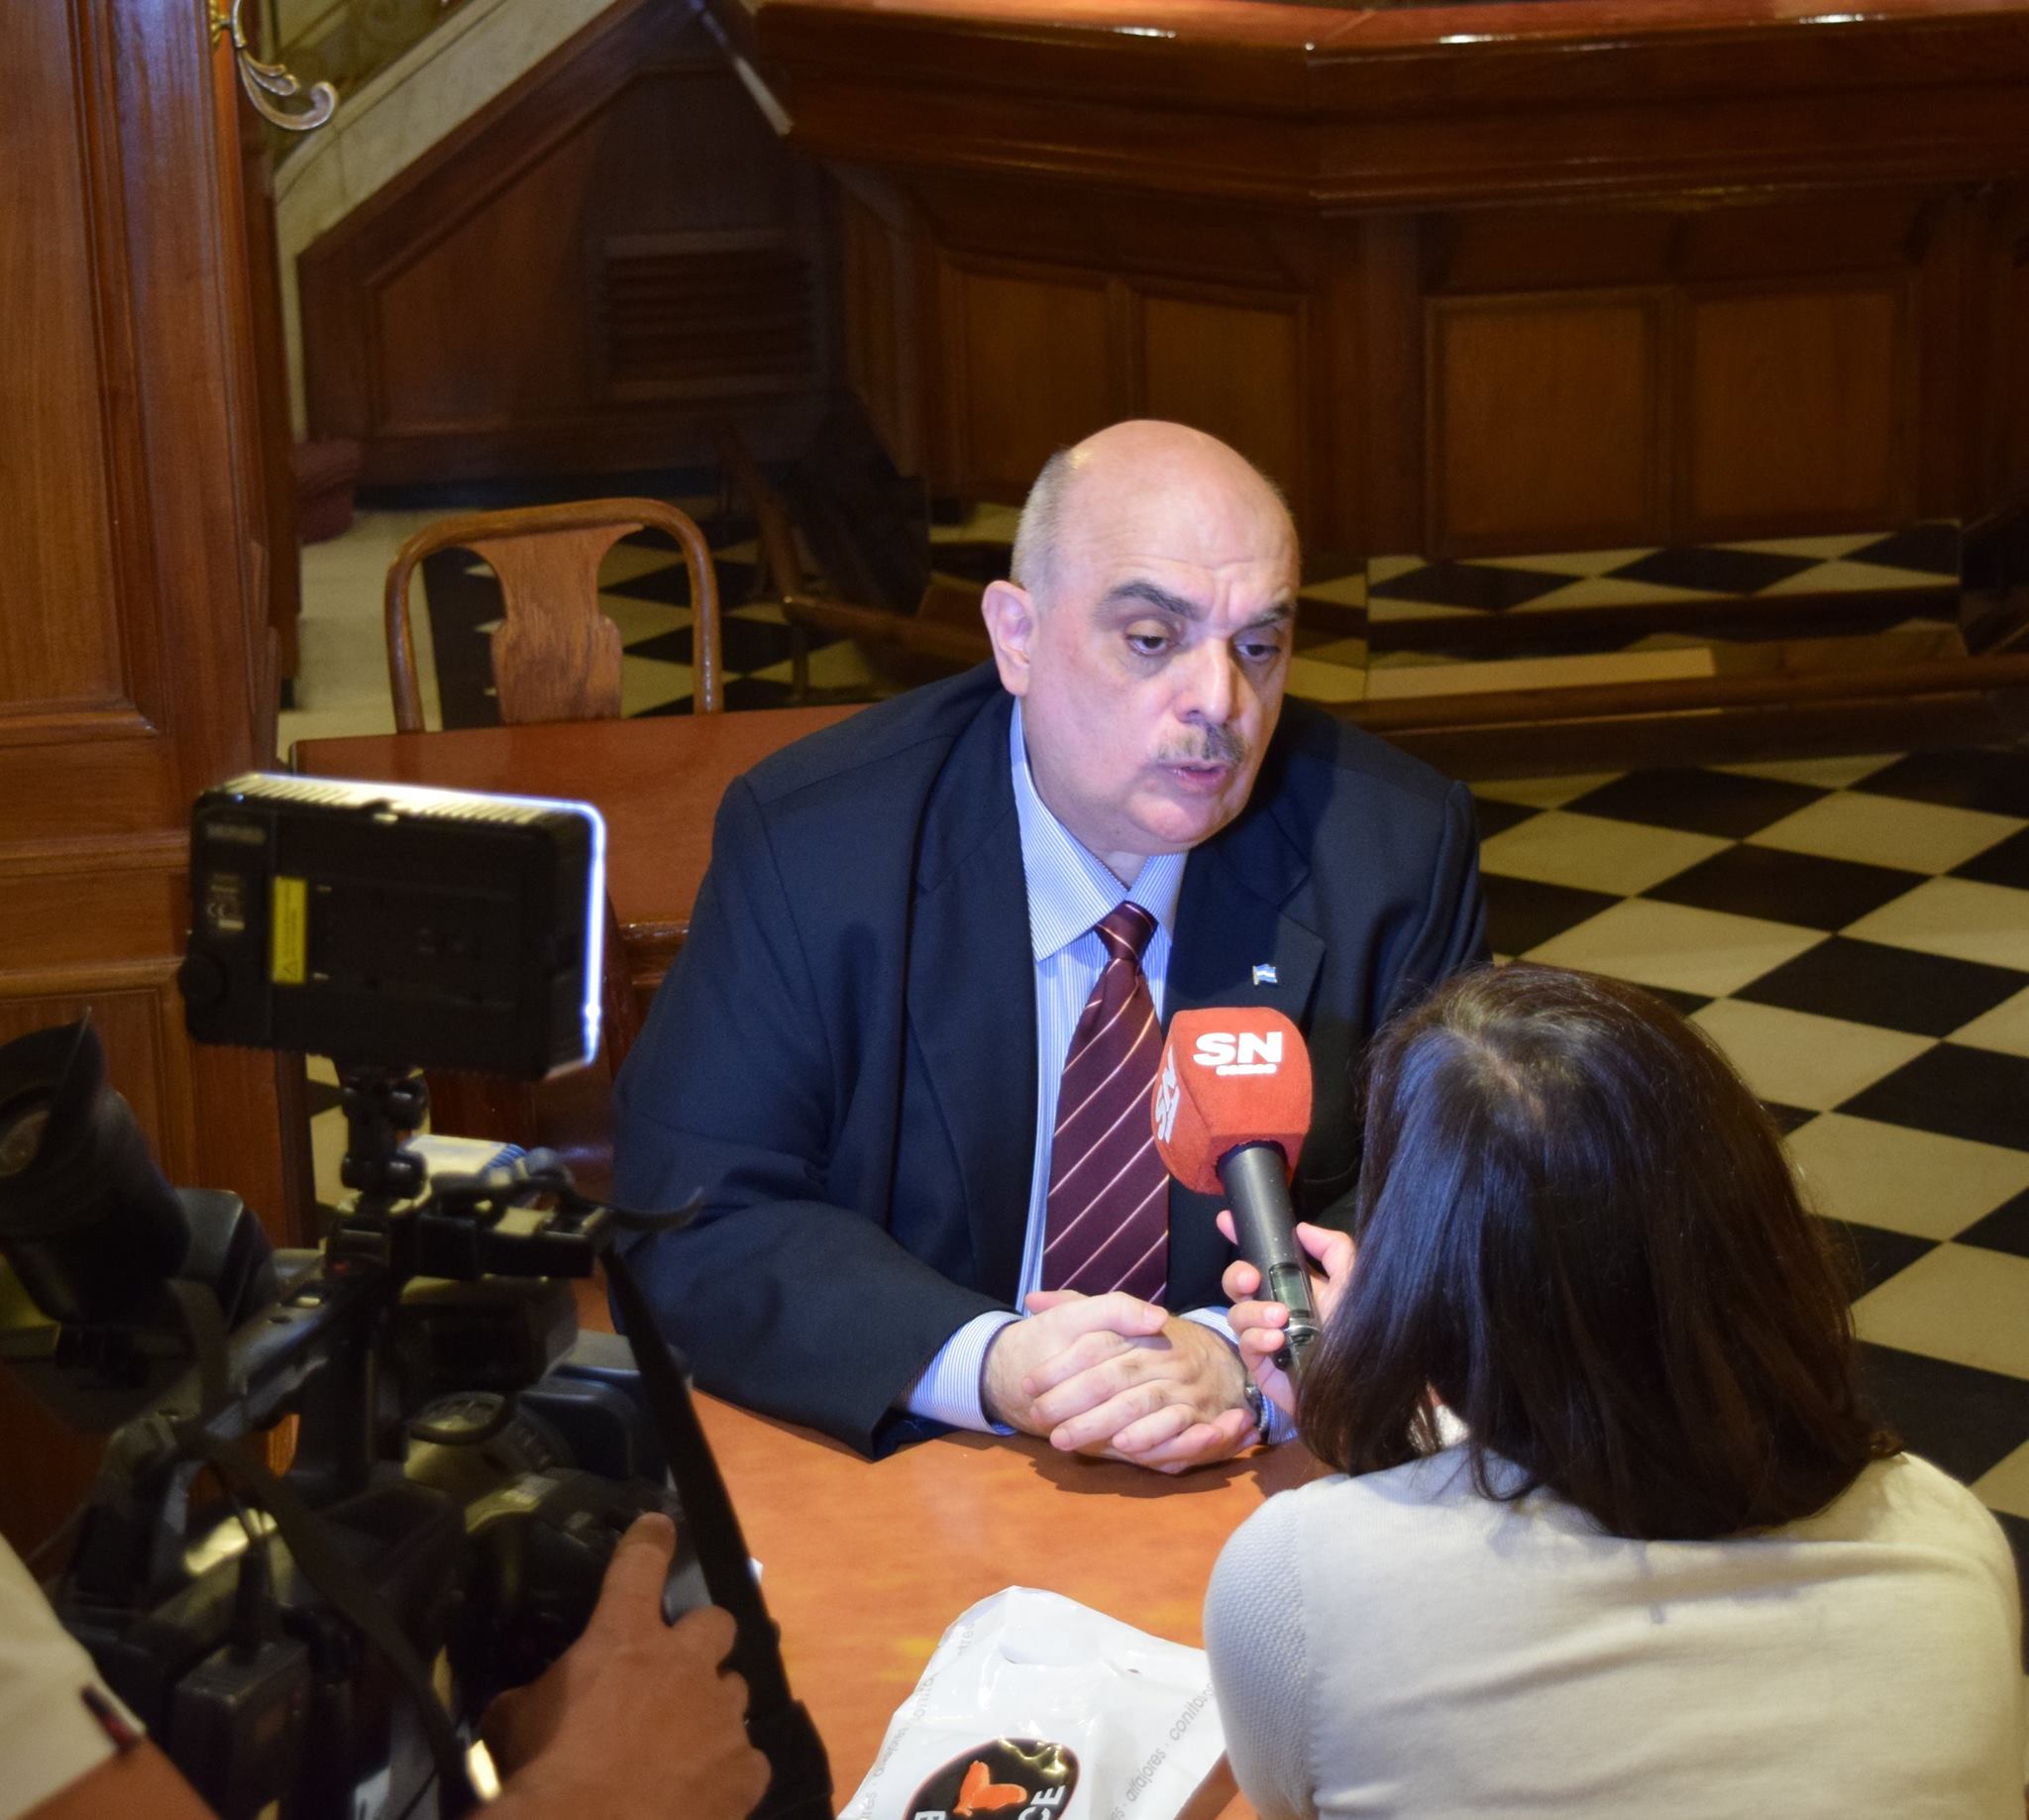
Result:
{"points": [[1126, 931]]}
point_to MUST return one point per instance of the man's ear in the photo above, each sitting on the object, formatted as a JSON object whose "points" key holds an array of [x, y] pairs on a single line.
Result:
{"points": [[1011, 614]]}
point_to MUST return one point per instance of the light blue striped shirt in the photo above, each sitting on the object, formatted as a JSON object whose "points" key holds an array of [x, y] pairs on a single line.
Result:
{"points": [[1069, 892]]}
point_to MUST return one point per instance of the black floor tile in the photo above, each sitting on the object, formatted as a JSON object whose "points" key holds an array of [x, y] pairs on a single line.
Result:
{"points": [[744, 644], [1958, 1417], [1312, 631], [754, 691], [1960, 1092], [1682, 1003], [2004, 864], [1933, 547], [1329, 619], [1520, 913], [983, 561], [1788, 1118], [1872, 1255], [321, 1097], [1475, 584], [1928, 995], [1697, 802], [1495, 817], [1963, 778], [671, 587], [2006, 1228], [460, 603], [1715, 570], [1820, 894]]}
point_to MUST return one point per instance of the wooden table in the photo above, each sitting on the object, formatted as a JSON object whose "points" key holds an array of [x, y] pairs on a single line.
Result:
{"points": [[866, 1561], [657, 781]]}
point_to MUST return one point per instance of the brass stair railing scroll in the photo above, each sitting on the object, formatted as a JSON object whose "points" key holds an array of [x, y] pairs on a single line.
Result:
{"points": [[267, 86]]}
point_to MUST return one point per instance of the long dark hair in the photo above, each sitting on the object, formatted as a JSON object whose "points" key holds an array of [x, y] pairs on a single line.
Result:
{"points": [[1576, 1228]]}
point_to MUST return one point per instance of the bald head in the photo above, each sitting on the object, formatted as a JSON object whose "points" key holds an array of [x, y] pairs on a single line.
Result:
{"points": [[1130, 468], [1147, 632]]}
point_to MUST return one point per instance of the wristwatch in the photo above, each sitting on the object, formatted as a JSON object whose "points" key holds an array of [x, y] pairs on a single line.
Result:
{"points": [[1257, 1406]]}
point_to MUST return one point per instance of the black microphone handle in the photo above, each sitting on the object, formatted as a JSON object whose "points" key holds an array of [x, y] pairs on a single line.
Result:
{"points": [[1255, 1177]]}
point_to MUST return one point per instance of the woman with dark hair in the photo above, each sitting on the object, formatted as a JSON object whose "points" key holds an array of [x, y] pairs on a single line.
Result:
{"points": [[1610, 1532]]}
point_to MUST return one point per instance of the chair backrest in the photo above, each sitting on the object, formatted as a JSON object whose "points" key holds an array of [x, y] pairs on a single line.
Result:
{"points": [[556, 656]]}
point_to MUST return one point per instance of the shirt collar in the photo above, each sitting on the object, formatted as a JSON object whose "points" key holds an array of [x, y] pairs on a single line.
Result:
{"points": [[1070, 888]]}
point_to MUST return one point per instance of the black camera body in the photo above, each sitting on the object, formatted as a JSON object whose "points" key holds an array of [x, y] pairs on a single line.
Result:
{"points": [[462, 1461]]}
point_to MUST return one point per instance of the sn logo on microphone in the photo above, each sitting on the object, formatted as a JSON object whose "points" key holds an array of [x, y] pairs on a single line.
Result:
{"points": [[1244, 1052]]}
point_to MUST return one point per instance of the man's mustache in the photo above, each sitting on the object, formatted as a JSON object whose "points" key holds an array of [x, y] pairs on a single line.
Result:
{"points": [[1215, 746]]}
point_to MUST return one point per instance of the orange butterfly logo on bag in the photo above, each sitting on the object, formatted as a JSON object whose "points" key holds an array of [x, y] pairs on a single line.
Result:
{"points": [[1008, 1779]]}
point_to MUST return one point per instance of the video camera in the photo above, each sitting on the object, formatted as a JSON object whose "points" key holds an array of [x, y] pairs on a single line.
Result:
{"points": [[464, 1461]]}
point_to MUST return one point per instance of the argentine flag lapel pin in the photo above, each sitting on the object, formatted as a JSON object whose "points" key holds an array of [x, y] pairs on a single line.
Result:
{"points": [[1264, 974]]}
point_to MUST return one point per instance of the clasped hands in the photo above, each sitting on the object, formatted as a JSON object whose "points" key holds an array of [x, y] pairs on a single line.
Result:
{"points": [[1123, 1378], [1117, 1376]]}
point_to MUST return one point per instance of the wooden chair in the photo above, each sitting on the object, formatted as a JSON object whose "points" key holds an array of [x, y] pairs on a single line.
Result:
{"points": [[942, 636], [557, 656]]}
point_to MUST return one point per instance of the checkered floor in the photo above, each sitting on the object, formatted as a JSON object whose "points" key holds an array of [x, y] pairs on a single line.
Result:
{"points": [[1854, 934], [1387, 627]]}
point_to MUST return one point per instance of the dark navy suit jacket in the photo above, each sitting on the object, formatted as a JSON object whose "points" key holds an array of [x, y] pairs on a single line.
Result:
{"points": [[843, 1057]]}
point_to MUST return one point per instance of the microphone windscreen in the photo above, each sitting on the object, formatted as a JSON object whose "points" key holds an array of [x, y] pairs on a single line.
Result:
{"points": [[1230, 1076]]}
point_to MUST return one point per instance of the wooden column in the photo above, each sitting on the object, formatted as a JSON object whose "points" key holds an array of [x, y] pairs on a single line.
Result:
{"points": [[135, 661]]}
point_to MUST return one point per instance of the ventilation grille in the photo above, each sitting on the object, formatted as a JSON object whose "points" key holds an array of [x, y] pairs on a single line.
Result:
{"points": [[703, 314]]}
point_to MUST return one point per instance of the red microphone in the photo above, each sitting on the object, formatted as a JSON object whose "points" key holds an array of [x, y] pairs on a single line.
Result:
{"points": [[1232, 1105]]}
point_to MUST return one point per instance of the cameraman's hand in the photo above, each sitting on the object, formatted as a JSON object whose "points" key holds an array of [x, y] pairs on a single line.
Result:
{"points": [[636, 1717]]}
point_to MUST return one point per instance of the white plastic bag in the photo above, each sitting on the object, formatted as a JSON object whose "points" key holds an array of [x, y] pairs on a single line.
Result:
{"points": [[1036, 1707]]}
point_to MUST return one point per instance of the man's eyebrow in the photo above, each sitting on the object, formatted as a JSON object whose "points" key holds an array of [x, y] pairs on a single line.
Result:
{"points": [[1153, 594]]}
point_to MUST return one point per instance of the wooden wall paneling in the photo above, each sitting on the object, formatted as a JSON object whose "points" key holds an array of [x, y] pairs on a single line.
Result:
{"points": [[2001, 369], [609, 256], [91, 669], [1546, 418], [875, 295], [1388, 421], [1029, 365], [132, 638], [1797, 408], [1944, 254], [1234, 363]]}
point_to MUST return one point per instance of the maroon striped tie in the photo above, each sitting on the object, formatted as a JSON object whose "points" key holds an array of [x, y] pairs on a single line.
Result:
{"points": [[1106, 1224]]}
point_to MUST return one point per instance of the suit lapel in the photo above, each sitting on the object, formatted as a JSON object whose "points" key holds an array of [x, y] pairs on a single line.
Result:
{"points": [[972, 992], [1236, 943]]}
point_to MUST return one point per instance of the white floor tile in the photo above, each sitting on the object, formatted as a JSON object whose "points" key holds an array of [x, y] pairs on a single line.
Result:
{"points": [[1675, 946], [1342, 590], [1594, 852], [2005, 1027], [1887, 831], [836, 666], [1961, 917], [1959, 1302], [1803, 1060], [1903, 1180], [295, 724], [1543, 793], [628, 562], [1317, 679], [2006, 1486], [649, 682], [639, 619], [1837, 773]]}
